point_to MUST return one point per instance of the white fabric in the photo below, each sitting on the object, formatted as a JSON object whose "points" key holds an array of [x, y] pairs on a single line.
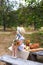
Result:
{"points": [[19, 37], [21, 47], [10, 48]]}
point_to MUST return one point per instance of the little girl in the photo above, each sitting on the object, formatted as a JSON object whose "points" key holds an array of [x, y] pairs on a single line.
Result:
{"points": [[19, 45]]}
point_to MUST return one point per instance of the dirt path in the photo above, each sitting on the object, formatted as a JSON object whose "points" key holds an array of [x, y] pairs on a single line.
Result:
{"points": [[5, 41]]}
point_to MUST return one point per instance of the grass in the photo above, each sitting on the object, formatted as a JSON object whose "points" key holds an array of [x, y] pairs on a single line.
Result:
{"points": [[36, 37]]}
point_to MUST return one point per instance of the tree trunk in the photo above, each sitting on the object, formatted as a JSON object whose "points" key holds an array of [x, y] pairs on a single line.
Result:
{"points": [[4, 26], [4, 23]]}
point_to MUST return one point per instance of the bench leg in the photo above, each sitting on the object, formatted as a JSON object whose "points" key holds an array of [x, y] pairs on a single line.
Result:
{"points": [[32, 57], [8, 64]]}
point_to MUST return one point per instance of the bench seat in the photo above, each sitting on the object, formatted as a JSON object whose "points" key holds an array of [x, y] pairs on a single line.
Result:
{"points": [[9, 60]]}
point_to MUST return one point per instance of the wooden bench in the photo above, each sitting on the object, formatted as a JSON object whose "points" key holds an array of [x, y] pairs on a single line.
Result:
{"points": [[34, 55], [9, 60], [40, 53]]}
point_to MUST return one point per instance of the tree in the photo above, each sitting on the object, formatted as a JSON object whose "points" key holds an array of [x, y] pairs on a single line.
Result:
{"points": [[36, 7], [5, 7]]}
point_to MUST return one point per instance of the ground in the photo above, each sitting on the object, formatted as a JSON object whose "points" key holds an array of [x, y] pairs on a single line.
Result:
{"points": [[6, 39]]}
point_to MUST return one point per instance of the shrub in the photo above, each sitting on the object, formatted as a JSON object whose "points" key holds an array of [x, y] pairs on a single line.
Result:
{"points": [[35, 38]]}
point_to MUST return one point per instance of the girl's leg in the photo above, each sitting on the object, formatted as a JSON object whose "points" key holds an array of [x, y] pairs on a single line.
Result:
{"points": [[14, 50]]}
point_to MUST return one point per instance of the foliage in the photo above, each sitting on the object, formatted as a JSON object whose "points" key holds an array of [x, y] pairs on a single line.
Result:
{"points": [[35, 37], [31, 15], [5, 7], [12, 19]]}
